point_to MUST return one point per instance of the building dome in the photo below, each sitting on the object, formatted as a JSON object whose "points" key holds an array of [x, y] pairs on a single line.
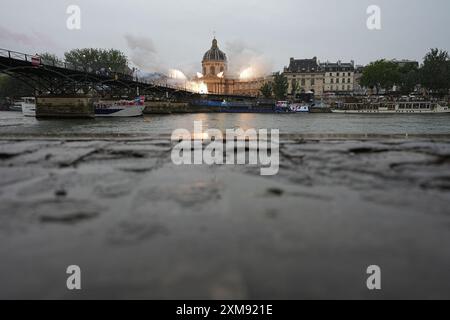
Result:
{"points": [[214, 54]]}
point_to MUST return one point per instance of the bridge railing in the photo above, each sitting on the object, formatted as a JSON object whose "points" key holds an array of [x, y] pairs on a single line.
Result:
{"points": [[29, 58], [69, 66], [15, 55]]}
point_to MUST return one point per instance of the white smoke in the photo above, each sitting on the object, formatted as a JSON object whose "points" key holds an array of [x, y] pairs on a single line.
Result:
{"points": [[244, 59], [144, 55]]}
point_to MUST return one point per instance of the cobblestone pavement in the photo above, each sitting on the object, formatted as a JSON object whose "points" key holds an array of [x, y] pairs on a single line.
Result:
{"points": [[141, 227]]}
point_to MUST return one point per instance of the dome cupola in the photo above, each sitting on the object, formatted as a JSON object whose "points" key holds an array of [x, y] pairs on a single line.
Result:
{"points": [[214, 54]]}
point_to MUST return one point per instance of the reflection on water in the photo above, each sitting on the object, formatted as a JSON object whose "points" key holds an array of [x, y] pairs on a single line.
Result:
{"points": [[15, 123]]}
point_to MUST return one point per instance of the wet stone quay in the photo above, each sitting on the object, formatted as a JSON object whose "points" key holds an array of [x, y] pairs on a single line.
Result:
{"points": [[141, 227]]}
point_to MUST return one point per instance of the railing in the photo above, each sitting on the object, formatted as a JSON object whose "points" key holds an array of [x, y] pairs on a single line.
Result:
{"points": [[45, 62], [69, 66], [15, 55]]}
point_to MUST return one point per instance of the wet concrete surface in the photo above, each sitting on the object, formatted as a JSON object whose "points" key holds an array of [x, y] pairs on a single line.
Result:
{"points": [[141, 227]]}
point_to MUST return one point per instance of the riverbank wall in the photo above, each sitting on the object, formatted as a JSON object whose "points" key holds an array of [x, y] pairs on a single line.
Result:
{"points": [[165, 107], [65, 107]]}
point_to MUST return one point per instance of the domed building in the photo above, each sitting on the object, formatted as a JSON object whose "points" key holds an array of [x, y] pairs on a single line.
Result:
{"points": [[214, 61], [215, 67], [219, 81]]}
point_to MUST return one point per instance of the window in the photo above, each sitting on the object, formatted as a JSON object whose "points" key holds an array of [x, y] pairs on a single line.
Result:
{"points": [[332, 80], [338, 74], [303, 82], [313, 82], [213, 70]]}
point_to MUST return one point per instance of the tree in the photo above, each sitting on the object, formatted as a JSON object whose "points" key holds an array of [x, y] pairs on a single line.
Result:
{"points": [[435, 72], [93, 60], [280, 86], [409, 78], [49, 58], [380, 74], [13, 88], [266, 90], [295, 87]]}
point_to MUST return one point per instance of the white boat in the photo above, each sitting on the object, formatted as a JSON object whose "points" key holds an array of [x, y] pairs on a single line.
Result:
{"points": [[393, 108], [17, 106], [122, 108], [282, 104], [285, 106], [29, 107], [298, 108]]}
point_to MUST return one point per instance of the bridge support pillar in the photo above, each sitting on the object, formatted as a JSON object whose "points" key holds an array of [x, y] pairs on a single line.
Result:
{"points": [[65, 107]]}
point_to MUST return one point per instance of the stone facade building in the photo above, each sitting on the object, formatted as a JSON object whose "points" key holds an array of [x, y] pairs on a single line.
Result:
{"points": [[304, 75], [339, 77]]}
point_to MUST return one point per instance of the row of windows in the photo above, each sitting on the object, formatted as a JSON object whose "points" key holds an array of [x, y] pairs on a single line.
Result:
{"points": [[332, 80], [341, 88], [338, 74], [318, 76], [313, 81], [349, 80], [246, 87], [303, 82]]}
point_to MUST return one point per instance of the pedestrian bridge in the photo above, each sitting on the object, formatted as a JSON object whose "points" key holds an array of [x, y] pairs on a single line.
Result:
{"points": [[61, 78]]}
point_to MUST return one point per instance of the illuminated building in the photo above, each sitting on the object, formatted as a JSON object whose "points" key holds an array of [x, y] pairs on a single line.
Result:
{"points": [[218, 80]]}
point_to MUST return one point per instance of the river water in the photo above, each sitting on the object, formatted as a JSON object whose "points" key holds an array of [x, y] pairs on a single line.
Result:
{"points": [[15, 123], [352, 191]]}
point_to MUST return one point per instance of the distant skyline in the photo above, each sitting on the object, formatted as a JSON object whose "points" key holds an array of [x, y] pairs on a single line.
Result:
{"points": [[157, 35]]}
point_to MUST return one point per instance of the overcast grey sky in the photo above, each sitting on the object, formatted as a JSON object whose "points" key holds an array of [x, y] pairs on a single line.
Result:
{"points": [[177, 33]]}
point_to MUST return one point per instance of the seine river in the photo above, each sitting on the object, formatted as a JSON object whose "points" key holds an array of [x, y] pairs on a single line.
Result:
{"points": [[14, 123]]}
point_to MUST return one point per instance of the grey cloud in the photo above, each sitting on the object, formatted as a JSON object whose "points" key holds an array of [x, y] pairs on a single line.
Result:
{"points": [[174, 33], [143, 54]]}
